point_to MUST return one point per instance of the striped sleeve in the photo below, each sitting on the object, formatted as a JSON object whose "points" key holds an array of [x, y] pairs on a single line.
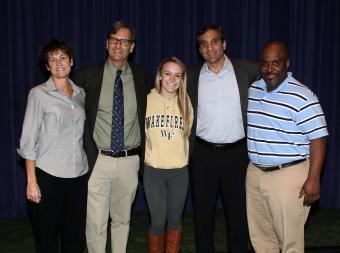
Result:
{"points": [[311, 119]]}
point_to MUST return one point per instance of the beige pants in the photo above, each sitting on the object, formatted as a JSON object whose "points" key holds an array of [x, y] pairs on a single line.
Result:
{"points": [[276, 216], [111, 191]]}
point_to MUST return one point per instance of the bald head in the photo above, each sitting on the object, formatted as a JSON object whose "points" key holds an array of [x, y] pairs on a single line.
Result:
{"points": [[274, 64], [276, 45]]}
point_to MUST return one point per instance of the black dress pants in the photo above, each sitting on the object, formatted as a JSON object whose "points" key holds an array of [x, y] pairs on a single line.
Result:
{"points": [[60, 217], [213, 171]]}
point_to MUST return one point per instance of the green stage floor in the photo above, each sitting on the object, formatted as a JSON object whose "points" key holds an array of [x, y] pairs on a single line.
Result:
{"points": [[322, 230]]}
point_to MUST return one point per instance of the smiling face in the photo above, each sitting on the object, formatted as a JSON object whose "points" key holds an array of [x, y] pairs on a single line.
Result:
{"points": [[59, 64], [119, 46], [274, 64], [212, 47], [171, 77]]}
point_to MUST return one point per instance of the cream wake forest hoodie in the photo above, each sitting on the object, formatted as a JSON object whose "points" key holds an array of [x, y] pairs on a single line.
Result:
{"points": [[166, 147]]}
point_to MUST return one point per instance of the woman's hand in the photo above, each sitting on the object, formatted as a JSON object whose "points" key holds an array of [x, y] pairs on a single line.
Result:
{"points": [[33, 192]]}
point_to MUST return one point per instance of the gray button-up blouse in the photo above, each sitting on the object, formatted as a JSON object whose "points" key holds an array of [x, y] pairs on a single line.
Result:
{"points": [[52, 133]]}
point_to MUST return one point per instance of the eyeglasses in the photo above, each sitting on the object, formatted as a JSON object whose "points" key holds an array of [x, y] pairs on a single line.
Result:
{"points": [[123, 42]]}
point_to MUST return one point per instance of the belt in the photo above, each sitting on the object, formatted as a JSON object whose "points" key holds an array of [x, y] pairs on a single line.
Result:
{"points": [[220, 146], [277, 167], [123, 153]]}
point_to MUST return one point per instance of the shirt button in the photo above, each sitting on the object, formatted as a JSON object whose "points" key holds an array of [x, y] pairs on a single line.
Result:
{"points": [[73, 155], [72, 106]]}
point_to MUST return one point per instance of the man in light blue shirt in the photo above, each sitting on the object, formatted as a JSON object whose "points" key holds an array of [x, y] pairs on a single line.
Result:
{"points": [[286, 145], [214, 122], [218, 90]]}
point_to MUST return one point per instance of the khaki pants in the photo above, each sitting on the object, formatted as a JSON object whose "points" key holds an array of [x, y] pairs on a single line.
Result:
{"points": [[111, 191], [276, 216]]}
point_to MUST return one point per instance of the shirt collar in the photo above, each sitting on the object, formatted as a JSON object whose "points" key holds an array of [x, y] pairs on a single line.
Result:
{"points": [[125, 70], [75, 88], [50, 86], [227, 67], [263, 86]]}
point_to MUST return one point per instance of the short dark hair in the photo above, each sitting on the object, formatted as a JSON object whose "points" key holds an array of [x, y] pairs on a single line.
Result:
{"points": [[279, 44], [207, 27], [54, 45], [113, 29]]}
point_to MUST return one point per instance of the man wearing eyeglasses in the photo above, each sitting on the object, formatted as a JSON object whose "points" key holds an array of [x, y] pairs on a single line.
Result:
{"points": [[219, 90], [115, 105]]}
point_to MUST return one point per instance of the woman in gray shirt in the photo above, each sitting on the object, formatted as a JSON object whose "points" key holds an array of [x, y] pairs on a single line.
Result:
{"points": [[52, 146]]}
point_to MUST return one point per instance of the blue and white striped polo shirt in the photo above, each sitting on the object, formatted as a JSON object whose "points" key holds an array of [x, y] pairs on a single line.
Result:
{"points": [[282, 122]]}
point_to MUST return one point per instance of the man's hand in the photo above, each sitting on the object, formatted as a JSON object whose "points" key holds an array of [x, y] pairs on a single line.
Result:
{"points": [[310, 191], [311, 188]]}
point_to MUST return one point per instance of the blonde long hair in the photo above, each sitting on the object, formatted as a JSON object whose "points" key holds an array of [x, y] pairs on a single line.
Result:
{"points": [[183, 98]]}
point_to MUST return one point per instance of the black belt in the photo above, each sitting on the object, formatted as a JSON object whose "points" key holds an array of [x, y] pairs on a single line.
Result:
{"points": [[277, 167], [123, 153], [220, 146]]}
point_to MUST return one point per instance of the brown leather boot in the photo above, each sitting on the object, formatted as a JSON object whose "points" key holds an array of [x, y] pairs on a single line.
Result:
{"points": [[173, 241], [156, 243]]}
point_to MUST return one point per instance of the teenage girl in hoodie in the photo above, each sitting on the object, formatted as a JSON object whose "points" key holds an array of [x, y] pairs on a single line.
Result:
{"points": [[168, 123]]}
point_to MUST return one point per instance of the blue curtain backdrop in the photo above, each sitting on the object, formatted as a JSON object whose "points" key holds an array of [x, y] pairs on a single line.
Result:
{"points": [[310, 29]]}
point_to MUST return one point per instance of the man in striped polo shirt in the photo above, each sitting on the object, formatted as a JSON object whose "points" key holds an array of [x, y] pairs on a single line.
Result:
{"points": [[286, 145]]}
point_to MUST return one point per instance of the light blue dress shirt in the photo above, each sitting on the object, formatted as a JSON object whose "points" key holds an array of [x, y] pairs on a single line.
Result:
{"points": [[219, 116]]}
